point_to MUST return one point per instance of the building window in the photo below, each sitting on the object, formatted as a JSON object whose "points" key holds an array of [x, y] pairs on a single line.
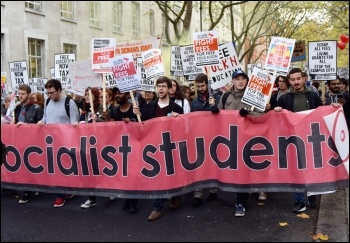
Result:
{"points": [[135, 19], [67, 9], [95, 8], [164, 26], [35, 5], [68, 48], [151, 23], [35, 58], [117, 16]]}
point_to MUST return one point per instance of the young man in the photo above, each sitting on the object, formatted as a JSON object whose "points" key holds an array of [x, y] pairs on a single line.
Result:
{"points": [[201, 103], [334, 94], [162, 106], [231, 100], [55, 113], [299, 98], [26, 112]]}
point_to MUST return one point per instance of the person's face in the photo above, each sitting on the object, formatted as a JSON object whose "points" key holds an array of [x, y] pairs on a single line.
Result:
{"points": [[192, 89], [149, 95], [52, 93], [282, 85], [239, 82], [296, 81], [7, 103], [173, 88], [121, 98], [187, 93], [108, 99], [334, 86], [86, 97], [162, 89], [202, 88], [342, 87], [23, 96]]}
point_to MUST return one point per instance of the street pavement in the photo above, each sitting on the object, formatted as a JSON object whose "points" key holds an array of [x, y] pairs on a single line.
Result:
{"points": [[38, 220]]}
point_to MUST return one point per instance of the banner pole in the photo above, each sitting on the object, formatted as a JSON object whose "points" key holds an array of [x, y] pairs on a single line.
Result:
{"points": [[104, 91], [134, 104]]}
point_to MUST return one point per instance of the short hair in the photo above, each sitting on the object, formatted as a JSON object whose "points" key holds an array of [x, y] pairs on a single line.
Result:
{"points": [[25, 87], [7, 98], [304, 74], [54, 83], [294, 70], [344, 81], [201, 77], [164, 79]]}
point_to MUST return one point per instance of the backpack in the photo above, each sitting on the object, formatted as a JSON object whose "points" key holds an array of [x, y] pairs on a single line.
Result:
{"points": [[66, 104], [224, 98]]}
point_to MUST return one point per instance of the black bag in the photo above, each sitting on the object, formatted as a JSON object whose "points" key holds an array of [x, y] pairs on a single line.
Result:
{"points": [[3, 152]]}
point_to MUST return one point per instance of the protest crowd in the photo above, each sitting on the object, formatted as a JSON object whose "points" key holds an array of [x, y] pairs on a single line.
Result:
{"points": [[168, 96]]}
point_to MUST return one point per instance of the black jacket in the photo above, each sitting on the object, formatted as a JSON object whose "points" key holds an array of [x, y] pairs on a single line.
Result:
{"points": [[149, 111], [199, 105], [33, 113], [286, 101]]}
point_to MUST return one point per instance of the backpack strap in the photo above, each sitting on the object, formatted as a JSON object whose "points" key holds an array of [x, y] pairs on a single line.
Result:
{"points": [[66, 104], [224, 98]]}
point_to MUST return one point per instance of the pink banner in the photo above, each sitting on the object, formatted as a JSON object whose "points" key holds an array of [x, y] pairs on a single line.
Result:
{"points": [[166, 156]]}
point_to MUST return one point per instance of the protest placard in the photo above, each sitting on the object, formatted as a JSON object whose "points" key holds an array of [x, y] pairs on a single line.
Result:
{"points": [[258, 89], [152, 63], [61, 67], [206, 48], [221, 74], [146, 84], [343, 72], [102, 51], [299, 53], [18, 74], [111, 82], [175, 62], [136, 47], [38, 85], [189, 63], [280, 54], [251, 66], [52, 73], [323, 60], [124, 72], [82, 76]]}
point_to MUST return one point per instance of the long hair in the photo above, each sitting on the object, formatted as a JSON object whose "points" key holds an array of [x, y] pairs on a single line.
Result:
{"points": [[179, 93], [95, 92]]}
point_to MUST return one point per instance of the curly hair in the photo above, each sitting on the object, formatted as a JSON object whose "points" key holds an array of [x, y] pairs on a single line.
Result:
{"points": [[95, 99]]}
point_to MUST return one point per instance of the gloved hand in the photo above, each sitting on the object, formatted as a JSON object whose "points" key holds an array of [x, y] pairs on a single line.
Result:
{"points": [[243, 112]]}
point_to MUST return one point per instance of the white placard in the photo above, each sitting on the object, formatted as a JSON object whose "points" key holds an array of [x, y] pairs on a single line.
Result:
{"points": [[152, 63], [61, 67], [124, 72], [206, 48], [81, 75], [323, 60], [258, 89], [18, 74]]}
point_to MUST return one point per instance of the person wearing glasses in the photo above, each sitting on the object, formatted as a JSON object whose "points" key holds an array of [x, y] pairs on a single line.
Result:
{"points": [[55, 113], [162, 106]]}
